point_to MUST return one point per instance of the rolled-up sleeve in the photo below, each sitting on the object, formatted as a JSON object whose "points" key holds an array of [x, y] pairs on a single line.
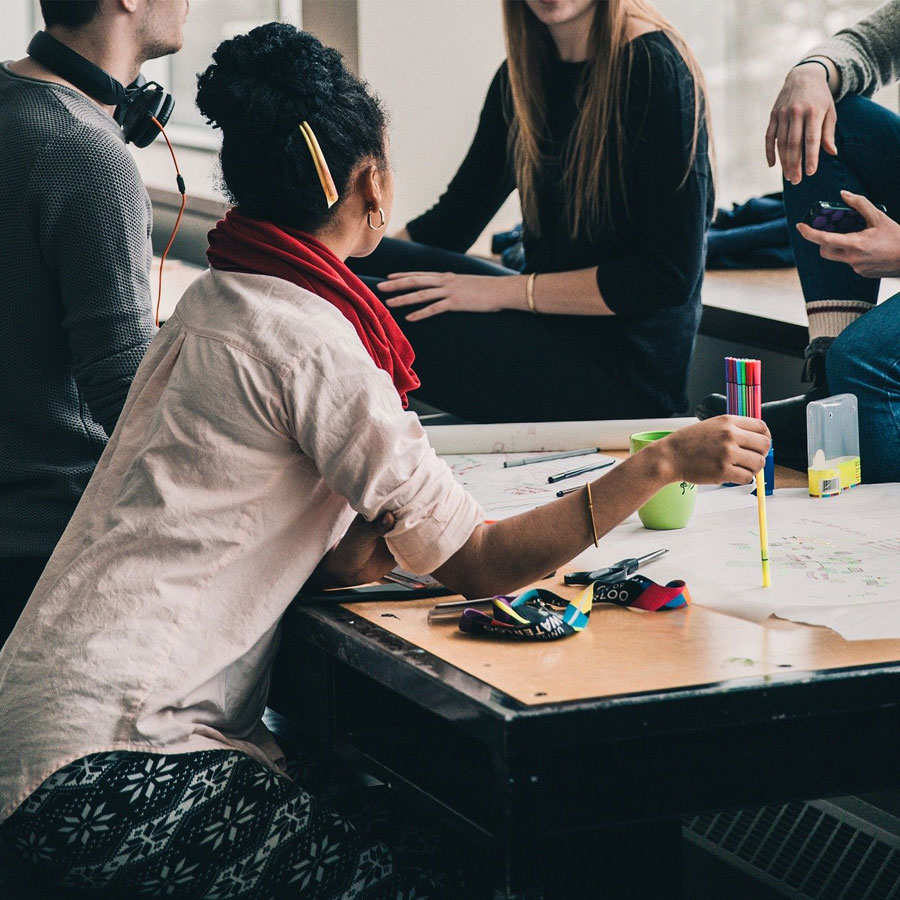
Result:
{"points": [[346, 417]]}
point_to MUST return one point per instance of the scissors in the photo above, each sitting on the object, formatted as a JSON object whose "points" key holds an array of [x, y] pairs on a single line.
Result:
{"points": [[616, 572]]}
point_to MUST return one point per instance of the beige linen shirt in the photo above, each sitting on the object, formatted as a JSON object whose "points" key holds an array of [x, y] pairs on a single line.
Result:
{"points": [[256, 427]]}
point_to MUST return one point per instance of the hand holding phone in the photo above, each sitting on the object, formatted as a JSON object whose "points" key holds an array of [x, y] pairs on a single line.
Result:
{"points": [[835, 218], [871, 249]]}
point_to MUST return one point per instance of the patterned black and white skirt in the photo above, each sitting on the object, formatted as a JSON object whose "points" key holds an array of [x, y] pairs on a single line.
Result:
{"points": [[219, 825]]}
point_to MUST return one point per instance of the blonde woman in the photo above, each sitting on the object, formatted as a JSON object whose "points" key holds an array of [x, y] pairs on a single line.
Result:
{"points": [[597, 117]]}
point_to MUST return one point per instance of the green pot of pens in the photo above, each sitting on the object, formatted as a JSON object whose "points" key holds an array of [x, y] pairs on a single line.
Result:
{"points": [[673, 505]]}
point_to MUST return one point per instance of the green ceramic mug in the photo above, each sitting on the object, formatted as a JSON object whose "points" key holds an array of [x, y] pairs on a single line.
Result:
{"points": [[670, 507]]}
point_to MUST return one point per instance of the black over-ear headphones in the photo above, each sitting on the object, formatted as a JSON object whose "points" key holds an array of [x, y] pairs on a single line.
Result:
{"points": [[136, 105]]}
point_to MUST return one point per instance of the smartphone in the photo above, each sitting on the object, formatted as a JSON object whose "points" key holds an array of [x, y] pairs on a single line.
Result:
{"points": [[835, 217]]}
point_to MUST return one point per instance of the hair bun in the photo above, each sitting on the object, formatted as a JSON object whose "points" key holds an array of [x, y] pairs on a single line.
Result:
{"points": [[260, 87], [268, 80]]}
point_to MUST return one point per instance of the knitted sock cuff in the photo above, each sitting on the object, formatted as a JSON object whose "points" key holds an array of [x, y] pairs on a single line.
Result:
{"points": [[828, 318]]}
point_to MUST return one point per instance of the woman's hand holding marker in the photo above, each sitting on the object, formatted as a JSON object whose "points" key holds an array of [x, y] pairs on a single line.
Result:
{"points": [[726, 448]]}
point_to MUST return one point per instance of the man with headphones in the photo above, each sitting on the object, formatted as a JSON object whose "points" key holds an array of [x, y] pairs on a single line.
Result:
{"points": [[75, 220]]}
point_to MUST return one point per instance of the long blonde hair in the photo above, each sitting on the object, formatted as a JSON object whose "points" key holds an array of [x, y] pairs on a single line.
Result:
{"points": [[589, 180]]}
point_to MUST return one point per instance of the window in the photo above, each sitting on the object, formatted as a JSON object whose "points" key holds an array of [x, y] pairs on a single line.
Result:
{"points": [[745, 48], [209, 23]]}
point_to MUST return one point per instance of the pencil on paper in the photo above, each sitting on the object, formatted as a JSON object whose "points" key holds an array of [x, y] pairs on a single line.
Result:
{"points": [[763, 529], [571, 474], [565, 454]]}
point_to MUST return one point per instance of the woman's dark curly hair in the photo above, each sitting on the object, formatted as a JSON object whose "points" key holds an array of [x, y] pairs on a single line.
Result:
{"points": [[258, 90]]}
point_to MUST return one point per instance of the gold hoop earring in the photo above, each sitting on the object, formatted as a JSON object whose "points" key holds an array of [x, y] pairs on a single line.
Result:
{"points": [[369, 219]]}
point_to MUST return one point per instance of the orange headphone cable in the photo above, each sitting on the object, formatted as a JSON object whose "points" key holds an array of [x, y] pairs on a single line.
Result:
{"points": [[180, 182]]}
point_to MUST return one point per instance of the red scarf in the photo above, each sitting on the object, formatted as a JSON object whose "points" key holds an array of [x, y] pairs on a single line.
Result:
{"points": [[241, 244]]}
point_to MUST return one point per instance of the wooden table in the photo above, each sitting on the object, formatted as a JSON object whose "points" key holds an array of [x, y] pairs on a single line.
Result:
{"points": [[573, 762]]}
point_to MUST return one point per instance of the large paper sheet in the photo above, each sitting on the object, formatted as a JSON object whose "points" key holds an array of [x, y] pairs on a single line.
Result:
{"points": [[835, 561], [507, 492], [515, 437]]}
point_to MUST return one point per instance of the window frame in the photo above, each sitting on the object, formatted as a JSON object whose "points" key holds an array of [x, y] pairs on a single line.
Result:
{"points": [[198, 137], [190, 136]]}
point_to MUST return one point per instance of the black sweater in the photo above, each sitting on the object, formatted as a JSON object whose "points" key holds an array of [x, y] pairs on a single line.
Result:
{"points": [[650, 263]]}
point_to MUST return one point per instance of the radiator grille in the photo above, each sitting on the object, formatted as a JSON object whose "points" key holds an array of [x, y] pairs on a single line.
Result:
{"points": [[816, 850]]}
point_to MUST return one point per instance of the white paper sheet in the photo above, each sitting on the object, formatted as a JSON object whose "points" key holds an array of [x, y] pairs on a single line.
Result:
{"points": [[835, 561], [507, 492], [511, 437]]}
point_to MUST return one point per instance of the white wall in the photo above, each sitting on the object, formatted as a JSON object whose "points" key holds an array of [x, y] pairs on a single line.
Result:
{"points": [[431, 62], [15, 28]]}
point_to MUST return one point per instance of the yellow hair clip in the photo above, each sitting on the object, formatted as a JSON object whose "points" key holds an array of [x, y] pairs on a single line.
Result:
{"points": [[331, 194]]}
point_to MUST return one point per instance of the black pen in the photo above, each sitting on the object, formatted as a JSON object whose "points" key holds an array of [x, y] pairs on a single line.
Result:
{"points": [[554, 478], [565, 491]]}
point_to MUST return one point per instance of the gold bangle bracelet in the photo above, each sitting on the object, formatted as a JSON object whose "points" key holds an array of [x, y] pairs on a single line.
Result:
{"points": [[529, 292], [591, 514]]}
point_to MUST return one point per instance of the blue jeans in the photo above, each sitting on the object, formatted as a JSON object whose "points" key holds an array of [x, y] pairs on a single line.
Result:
{"points": [[865, 358], [865, 361], [868, 163]]}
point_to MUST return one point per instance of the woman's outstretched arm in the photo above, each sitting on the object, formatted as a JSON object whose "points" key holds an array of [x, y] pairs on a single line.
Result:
{"points": [[501, 557], [345, 415], [572, 293]]}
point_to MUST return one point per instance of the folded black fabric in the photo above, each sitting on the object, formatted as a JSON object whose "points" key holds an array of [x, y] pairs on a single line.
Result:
{"points": [[751, 235], [756, 210]]}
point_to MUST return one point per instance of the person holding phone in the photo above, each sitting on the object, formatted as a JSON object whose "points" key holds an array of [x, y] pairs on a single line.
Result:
{"points": [[838, 148], [263, 443], [598, 118]]}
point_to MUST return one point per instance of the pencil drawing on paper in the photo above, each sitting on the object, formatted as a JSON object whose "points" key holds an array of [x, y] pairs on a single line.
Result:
{"points": [[507, 492], [858, 565]]}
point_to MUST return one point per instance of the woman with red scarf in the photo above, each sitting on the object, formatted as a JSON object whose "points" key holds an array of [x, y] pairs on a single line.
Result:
{"points": [[264, 444]]}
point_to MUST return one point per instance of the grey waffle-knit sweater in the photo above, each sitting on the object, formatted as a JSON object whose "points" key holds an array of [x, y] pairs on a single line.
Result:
{"points": [[74, 301], [866, 54]]}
